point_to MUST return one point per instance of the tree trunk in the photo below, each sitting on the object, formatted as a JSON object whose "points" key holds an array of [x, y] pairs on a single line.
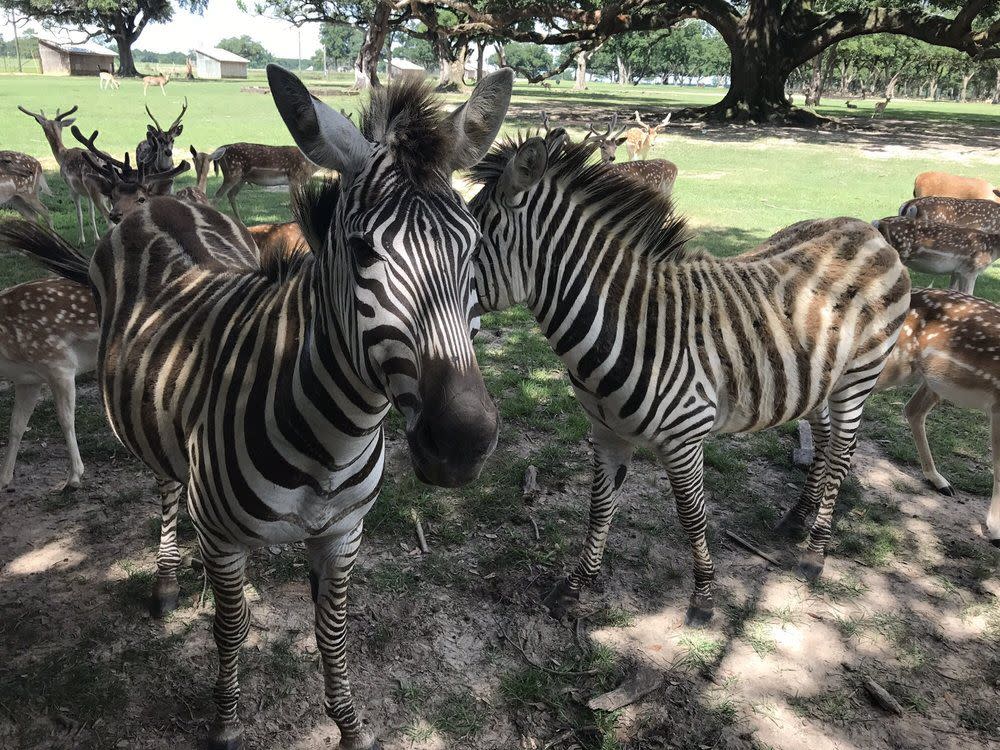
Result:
{"points": [[932, 85], [965, 86], [17, 41], [890, 87], [624, 74], [501, 54], [480, 61], [581, 72], [757, 86], [126, 63], [996, 88], [451, 76], [813, 88], [366, 63]]}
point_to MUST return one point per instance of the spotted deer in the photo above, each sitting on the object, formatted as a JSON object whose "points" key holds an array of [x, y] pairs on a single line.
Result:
{"points": [[156, 151], [942, 248], [160, 79], [879, 110], [659, 174], [944, 185], [83, 183], [969, 212], [48, 335], [21, 180], [950, 346], [253, 164], [285, 237], [608, 141], [125, 187], [639, 140], [108, 80]]}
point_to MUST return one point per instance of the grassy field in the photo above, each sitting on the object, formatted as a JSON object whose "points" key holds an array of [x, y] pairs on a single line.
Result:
{"points": [[909, 598]]}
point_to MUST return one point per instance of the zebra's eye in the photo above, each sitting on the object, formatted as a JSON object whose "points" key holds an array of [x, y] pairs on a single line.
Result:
{"points": [[363, 251]]}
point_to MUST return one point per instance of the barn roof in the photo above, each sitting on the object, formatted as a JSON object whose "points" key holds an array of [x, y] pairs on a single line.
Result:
{"points": [[400, 64], [85, 48], [222, 55]]}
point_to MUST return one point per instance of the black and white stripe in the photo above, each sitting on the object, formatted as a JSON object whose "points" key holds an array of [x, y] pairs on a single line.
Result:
{"points": [[666, 346]]}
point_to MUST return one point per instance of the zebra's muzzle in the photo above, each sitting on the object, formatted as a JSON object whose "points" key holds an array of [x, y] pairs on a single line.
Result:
{"points": [[456, 429]]}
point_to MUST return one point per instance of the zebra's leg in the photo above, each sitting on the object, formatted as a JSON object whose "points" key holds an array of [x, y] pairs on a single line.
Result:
{"points": [[845, 418], [686, 469], [332, 561], [226, 568], [25, 397], [612, 457], [793, 523], [166, 590]]}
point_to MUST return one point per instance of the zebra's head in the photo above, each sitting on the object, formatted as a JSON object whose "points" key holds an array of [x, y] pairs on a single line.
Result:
{"points": [[395, 278]]}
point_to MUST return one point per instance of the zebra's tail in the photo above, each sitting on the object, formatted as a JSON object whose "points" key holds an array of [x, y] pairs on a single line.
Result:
{"points": [[47, 248]]}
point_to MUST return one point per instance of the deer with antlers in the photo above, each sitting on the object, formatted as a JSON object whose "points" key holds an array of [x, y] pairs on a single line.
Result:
{"points": [[659, 174], [126, 188], [950, 346], [639, 140], [79, 176], [160, 79], [252, 164], [21, 180], [156, 151]]}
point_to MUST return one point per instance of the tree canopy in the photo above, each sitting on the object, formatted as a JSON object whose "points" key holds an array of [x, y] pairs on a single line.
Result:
{"points": [[249, 48]]}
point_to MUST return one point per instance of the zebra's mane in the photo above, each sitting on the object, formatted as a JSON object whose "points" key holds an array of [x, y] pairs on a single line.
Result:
{"points": [[407, 117], [655, 230]]}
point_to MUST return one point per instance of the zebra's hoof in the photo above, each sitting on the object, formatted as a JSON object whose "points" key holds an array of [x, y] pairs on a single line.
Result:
{"points": [[791, 527], [947, 490], [561, 600], [810, 565], [164, 598], [365, 741], [700, 611], [225, 737]]}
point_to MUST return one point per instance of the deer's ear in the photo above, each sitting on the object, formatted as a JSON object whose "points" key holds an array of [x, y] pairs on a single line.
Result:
{"points": [[325, 136], [620, 140], [525, 169], [476, 123], [218, 153], [194, 153]]}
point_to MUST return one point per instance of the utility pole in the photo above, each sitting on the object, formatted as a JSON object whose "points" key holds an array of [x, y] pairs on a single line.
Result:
{"points": [[300, 48], [17, 44]]}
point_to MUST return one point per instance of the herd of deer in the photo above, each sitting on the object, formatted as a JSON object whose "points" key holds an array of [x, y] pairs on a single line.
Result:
{"points": [[950, 344]]}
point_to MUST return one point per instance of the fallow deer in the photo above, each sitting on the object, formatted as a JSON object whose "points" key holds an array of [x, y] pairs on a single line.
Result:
{"points": [[193, 194], [156, 151], [944, 185], [659, 174], [21, 180], [607, 142], [160, 79], [880, 107], [76, 172], [639, 140], [253, 164], [48, 335], [950, 345], [126, 188], [972, 213], [850, 105], [942, 248], [108, 80]]}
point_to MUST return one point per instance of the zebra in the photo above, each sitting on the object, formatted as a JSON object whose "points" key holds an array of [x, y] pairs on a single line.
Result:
{"points": [[261, 386], [665, 346]]}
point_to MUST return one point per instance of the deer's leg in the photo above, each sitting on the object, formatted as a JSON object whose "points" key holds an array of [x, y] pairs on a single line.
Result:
{"points": [[916, 411], [793, 523], [332, 561], [25, 397], [64, 394], [77, 199], [993, 517], [168, 558], [233, 192], [225, 566], [93, 217], [967, 282], [612, 457], [686, 469]]}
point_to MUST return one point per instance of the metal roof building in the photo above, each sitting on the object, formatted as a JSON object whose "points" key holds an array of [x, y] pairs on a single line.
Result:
{"points": [[64, 59], [220, 63]]}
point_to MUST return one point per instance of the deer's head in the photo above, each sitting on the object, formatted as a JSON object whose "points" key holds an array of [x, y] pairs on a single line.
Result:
{"points": [[52, 128], [161, 142], [609, 140]]}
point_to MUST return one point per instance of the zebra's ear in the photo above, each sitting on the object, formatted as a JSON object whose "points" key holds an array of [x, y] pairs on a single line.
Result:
{"points": [[475, 124], [325, 136], [525, 169]]}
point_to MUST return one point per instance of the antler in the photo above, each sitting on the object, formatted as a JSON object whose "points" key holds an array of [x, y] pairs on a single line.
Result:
{"points": [[666, 120], [638, 119], [104, 156], [41, 112], [155, 122], [66, 114], [169, 174], [177, 121], [612, 132]]}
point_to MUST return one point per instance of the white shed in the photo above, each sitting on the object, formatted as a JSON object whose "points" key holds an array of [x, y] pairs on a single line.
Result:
{"points": [[400, 69], [220, 63]]}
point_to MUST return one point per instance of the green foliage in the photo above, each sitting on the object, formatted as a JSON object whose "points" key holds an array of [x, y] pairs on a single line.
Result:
{"points": [[341, 44], [246, 47], [528, 58]]}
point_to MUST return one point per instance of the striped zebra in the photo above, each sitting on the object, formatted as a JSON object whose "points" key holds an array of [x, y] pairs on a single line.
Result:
{"points": [[262, 387], [665, 346]]}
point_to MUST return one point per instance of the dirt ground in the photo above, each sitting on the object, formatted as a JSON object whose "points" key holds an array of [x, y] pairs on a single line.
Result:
{"points": [[452, 649]]}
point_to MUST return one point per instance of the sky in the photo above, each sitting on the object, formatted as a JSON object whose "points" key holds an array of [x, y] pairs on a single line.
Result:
{"points": [[222, 19]]}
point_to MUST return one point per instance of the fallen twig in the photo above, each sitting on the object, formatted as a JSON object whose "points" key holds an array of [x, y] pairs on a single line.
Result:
{"points": [[421, 539], [645, 681], [534, 525], [558, 739], [747, 545], [882, 697]]}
